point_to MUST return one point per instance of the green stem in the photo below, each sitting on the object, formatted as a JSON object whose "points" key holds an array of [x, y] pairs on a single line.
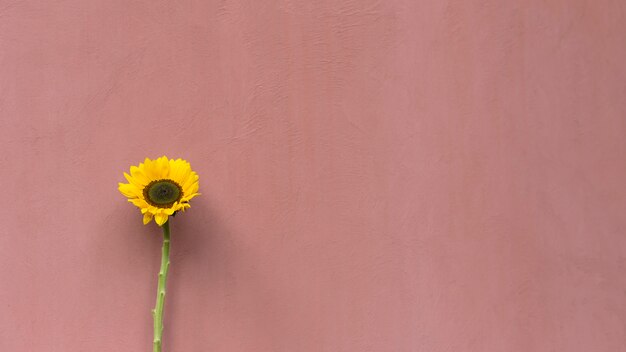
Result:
{"points": [[157, 312]]}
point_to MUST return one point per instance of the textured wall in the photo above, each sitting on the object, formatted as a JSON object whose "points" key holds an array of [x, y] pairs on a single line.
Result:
{"points": [[386, 176]]}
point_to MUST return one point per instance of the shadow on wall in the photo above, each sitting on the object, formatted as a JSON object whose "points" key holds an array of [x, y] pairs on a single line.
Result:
{"points": [[200, 274]]}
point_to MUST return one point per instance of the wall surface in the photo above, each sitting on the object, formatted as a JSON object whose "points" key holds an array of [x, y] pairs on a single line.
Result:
{"points": [[384, 176]]}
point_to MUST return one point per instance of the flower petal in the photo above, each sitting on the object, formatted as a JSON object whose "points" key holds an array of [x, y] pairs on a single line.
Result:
{"points": [[160, 219], [188, 185], [147, 217], [163, 167], [129, 190], [180, 172], [138, 175]]}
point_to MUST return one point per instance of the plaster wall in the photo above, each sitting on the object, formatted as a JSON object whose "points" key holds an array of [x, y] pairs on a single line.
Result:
{"points": [[385, 176]]}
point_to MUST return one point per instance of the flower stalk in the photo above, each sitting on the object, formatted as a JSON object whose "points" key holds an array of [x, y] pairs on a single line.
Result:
{"points": [[157, 312]]}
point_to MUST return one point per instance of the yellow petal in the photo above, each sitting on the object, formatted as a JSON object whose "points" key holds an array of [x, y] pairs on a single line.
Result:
{"points": [[153, 210], [160, 219], [135, 181], [191, 189], [139, 203], [138, 175], [193, 178], [147, 217], [149, 169], [170, 211], [189, 197], [163, 167], [180, 172], [129, 190], [174, 168]]}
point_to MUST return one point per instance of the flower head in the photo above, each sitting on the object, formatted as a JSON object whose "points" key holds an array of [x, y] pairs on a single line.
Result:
{"points": [[160, 188]]}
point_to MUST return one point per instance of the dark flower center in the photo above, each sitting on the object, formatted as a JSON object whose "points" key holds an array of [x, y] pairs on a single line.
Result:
{"points": [[162, 193]]}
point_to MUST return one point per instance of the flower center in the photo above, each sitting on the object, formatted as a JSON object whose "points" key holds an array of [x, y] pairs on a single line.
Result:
{"points": [[162, 193]]}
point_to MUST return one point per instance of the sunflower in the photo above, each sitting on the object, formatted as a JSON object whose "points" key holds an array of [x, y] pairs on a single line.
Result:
{"points": [[160, 188]]}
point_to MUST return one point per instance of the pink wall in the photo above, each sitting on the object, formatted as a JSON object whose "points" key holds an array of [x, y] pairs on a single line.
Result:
{"points": [[381, 176]]}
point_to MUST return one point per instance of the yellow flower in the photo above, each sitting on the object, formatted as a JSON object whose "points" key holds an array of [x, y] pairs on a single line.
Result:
{"points": [[160, 188]]}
